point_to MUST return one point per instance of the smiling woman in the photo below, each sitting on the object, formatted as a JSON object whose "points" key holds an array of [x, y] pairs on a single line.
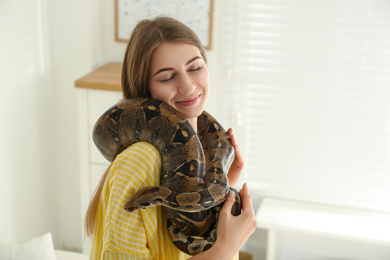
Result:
{"points": [[180, 78], [164, 60]]}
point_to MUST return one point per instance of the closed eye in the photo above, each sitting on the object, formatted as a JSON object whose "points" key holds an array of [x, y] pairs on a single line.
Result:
{"points": [[168, 79], [173, 76], [196, 69]]}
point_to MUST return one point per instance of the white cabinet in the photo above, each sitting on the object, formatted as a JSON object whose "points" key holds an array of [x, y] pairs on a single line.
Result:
{"points": [[302, 230], [95, 102]]}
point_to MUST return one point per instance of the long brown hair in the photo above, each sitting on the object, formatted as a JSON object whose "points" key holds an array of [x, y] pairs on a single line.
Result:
{"points": [[145, 38]]}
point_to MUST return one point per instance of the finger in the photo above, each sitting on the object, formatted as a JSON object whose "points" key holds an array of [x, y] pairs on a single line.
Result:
{"points": [[231, 135], [238, 158], [238, 155], [235, 144], [246, 199], [227, 206]]}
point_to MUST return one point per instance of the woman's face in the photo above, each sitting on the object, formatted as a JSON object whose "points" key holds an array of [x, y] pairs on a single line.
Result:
{"points": [[179, 77]]}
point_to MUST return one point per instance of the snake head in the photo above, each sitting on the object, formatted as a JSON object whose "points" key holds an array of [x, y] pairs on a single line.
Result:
{"points": [[147, 197], [130, 207]]}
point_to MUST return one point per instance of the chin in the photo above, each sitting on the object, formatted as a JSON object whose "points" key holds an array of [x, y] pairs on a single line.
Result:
{"points": [[193, 114]]}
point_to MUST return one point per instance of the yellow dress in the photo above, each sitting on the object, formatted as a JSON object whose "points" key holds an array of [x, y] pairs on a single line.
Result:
{"points": [[142, 234]]}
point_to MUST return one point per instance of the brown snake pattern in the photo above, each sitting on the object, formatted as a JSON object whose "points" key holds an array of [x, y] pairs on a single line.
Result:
{"points": [[193, 181]]}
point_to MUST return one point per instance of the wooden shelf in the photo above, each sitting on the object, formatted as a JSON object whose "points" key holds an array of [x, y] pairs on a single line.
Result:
{"points": [[107, 77]]}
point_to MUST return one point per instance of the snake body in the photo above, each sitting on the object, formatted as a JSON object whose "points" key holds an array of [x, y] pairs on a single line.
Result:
{"points": [[193, 182]]}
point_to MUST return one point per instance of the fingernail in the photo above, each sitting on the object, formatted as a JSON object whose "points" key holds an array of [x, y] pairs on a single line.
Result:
{"points": [[231, 194]]}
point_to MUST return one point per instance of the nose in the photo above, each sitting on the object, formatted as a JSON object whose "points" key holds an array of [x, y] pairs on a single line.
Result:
{"points": [[186, 85]]}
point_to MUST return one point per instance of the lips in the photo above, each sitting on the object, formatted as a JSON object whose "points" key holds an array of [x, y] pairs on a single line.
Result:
{"points": [[189, 102]]}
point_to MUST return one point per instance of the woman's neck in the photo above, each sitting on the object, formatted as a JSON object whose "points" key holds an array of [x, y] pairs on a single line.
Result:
{"points": [[194, 123]]}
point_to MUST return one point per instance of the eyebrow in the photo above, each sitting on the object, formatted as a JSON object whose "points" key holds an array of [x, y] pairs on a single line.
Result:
{"points": [[166, 69]]}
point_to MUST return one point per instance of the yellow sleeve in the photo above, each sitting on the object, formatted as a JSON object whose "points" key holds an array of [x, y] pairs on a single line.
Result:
{"points": [[119, 234], [142, 234]]}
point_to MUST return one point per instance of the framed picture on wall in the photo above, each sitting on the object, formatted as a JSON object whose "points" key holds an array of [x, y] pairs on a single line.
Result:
{"points": [[196, 14]]}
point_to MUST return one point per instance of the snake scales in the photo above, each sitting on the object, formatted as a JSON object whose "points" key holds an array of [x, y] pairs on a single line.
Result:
{"points": [[193, 183]]}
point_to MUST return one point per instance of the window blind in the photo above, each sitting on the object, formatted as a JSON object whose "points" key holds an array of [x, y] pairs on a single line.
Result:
{"points": [[306, 86]]}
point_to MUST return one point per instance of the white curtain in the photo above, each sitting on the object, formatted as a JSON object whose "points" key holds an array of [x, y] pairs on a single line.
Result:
{"points": [[306, 86]]}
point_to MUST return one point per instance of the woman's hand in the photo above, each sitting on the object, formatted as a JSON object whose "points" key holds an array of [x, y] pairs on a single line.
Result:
{"points": [[238, 162], [233, 231]]}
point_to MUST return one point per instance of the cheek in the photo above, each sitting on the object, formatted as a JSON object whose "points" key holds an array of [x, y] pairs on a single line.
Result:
{"points": [[161, 93], [153, 91], [205, 81]]}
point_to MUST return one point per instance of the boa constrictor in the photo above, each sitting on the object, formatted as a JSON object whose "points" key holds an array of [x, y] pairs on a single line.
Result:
{"points": [[193, 182]]}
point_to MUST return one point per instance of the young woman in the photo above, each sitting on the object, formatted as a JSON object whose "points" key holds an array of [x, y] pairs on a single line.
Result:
{"points": [[166, 61]]}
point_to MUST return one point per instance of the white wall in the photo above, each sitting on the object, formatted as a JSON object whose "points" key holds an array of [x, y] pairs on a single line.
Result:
{"points": [[28, 198], [45, 45], [111, 50], [75, 49]]}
